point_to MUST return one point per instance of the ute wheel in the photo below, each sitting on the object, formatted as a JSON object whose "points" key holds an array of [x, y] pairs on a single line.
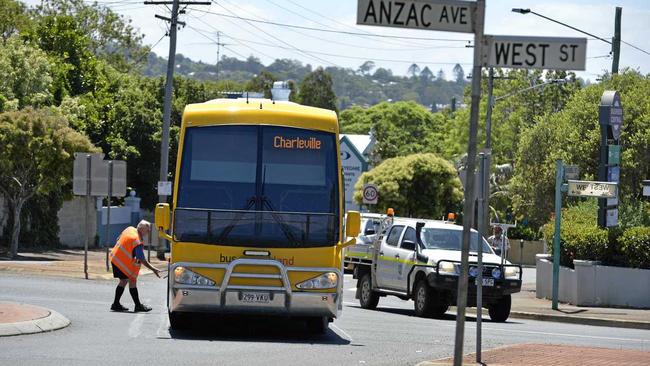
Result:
{"points": [[368, 299], [500, 311], [178, 321], [423, 299], [317, 324]]}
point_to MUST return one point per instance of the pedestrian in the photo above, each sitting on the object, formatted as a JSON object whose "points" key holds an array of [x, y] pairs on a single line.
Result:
{"points": [[126, 257], [498, 241]]}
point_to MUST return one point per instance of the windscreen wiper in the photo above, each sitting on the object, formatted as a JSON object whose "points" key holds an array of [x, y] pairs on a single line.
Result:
{"points": [[278, 219], [228, 229]]}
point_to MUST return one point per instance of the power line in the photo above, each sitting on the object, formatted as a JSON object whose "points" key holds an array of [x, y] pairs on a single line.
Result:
{"points": [[635, 47], [328, 30], [278, 39], [240, 40]]}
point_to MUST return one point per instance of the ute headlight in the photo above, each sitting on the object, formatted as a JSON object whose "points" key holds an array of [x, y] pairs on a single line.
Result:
{"points": [[512, 273], [448, 268], [473, 271], [324, 281], [496, 273], [187, 277]]}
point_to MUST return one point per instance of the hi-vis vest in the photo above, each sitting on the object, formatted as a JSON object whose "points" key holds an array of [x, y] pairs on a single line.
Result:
{"points": [[122, 253]]}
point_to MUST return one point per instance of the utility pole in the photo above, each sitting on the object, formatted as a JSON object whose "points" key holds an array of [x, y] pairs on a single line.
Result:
{"points": [[616, 40], [218, 52], [169, 85], [468, 207]]}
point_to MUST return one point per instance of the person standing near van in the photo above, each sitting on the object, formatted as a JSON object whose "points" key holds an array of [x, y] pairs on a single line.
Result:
{"points": [[126, 257]]}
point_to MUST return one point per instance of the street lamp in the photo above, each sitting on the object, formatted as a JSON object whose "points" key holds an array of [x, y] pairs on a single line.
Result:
{"points": [[527, 11]]}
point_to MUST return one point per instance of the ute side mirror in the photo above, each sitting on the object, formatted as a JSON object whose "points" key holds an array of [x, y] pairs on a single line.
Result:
{"points": [[162, 219], [352, 224], [369, 232], [408, 245]]}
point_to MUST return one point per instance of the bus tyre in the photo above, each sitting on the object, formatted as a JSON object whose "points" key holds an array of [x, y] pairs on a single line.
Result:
{"points": [[368, 299], [423, 299], [178, 321], [500, 311], [317, 324]]}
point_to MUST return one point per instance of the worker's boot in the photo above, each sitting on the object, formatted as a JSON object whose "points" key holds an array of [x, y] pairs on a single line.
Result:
{"points": [[142, 308], [118, 307]]}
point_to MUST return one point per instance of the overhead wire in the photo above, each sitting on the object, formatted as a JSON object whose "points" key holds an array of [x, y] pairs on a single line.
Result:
{"points": [[635, 47], [279, 39]]}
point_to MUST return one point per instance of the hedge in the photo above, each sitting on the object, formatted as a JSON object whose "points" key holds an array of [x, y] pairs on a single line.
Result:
{"points": [[634, 246]]}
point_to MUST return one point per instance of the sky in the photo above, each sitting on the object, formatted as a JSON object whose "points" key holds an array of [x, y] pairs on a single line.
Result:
{"points": [[241, 39]]}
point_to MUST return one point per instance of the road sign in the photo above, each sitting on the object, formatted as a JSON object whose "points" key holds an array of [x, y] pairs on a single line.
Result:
{"points": [[571, 172], [99, 178], [80, 171], [614, 154], [611, 112], [536, 52], [612, 217], [583, 188], [164, 188], [446, 15], [614, 173], [370, 194]]}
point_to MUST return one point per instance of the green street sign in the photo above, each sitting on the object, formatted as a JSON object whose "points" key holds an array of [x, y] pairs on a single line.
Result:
{"points": [[614, 154]]}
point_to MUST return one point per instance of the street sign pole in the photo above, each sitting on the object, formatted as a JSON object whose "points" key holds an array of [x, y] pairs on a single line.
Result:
{"points": [[468, 207], [108, 209], [88, 167], [559, 175], [482, 158]]}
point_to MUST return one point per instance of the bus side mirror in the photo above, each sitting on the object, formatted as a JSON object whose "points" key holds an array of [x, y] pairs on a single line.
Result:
{"points": [[352, 224], [162, 214]]}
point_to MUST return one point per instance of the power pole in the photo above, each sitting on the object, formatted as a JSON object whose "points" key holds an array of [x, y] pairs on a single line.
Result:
{"points": [[616, 40], [468, 207], [169, 86], [218, 52]]}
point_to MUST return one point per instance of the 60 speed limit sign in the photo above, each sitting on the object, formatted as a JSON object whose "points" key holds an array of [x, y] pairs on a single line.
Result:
{"points": [[370, 194]]}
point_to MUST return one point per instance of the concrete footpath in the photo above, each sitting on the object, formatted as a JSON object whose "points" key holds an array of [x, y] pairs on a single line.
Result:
{"points": [[17, 319], [551, 355]]}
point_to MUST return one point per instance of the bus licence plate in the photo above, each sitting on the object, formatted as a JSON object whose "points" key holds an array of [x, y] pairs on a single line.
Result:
{"points": [[487, 282], [256, 297]]}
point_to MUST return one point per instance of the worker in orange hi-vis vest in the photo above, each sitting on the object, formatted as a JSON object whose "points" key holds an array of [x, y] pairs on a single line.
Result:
{"points": [[126, 257]]}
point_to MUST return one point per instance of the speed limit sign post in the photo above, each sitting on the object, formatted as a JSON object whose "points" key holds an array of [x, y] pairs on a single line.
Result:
{"points": [[370, 194]]}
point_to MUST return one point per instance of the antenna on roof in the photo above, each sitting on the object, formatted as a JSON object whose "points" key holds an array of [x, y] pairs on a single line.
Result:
{"points": [[246, 97]]}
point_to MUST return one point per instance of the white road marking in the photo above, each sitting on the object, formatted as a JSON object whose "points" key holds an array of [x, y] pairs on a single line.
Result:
{"points": [[572, 335], [135, 328], [342, 332], [163, 328]]}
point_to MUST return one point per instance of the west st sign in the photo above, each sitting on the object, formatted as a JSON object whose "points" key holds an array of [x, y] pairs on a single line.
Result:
{"points": [[456, 16]]}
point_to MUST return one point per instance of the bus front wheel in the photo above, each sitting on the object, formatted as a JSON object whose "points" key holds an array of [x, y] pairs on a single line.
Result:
{"points": [[317, 324]]}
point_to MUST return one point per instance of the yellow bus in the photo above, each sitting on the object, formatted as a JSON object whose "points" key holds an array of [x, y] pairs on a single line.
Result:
{"points": [[256, 221]]}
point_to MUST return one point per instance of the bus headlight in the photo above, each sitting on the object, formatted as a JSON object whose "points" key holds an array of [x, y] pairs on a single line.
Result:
{"points": [[511, 273], [324, 281], [187, 277]]}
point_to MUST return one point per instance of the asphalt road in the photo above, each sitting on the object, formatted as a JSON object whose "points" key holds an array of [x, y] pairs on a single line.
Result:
{"points": [[390, 335]]}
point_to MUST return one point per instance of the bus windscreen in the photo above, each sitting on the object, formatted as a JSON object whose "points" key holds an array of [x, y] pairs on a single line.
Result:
{"points": [[247, 184]]}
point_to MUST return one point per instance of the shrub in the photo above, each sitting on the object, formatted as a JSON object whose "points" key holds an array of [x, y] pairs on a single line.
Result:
{"points": [[523, 232], [580, 237], [634, 246]]}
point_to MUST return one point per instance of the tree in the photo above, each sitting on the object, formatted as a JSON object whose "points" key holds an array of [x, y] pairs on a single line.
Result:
{"points": [[413, 70], [36, 153], [316, 90], [441, 75], [262, 83], [24, 75], [426, 75], [418, 185], [459, 74], [13, 18], [573, 135], [366, 67], [400, 128]]}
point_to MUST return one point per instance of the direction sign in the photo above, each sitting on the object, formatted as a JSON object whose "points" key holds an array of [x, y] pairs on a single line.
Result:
{"points": [[614, 173], [536, 52], [583, 188], [99, 178], [370, 194], [446, 15], [613, 154], [612, 218], [611, 112], [571, 172]]}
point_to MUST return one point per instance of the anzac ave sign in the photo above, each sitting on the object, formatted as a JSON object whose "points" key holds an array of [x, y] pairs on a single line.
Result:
{"points": [[583, 188], [536, 52], [449, 15]]}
